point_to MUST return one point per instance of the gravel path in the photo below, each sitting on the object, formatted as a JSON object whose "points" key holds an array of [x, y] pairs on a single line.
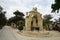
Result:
{"points": [[8, 33]]}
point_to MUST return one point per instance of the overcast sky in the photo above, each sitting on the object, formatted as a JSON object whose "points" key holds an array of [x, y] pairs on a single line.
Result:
{"points": [[43, 6]]}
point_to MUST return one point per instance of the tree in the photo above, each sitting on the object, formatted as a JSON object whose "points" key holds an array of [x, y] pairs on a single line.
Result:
{"points": [[18, 17], [2, 17], [56, 6], [46, 20], [18, 14], [59, 20]]}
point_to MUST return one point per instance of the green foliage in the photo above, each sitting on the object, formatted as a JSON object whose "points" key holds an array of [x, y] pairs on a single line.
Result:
{"points": [[19, 14], [56, 6], [18, 17], [2, 17], [46, 19], [59, 20], [1, 8], [20, 27]]}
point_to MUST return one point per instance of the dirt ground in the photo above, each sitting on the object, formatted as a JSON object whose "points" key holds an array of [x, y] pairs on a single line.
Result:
{"points": [[8, 33]]}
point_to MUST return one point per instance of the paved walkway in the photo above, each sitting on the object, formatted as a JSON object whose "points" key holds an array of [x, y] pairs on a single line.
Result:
{"points": [[8, 33]]}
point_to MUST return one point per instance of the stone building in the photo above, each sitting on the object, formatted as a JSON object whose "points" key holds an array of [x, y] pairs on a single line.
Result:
{"points": [[13, 25], [33, 20]]}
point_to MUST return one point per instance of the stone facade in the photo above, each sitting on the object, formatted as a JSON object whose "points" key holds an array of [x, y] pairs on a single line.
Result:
{"points": [[33, 20], [13, 25]]}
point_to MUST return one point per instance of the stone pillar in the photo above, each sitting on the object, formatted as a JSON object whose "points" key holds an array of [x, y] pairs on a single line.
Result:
{"points": [[40, 23], [27, 23]]}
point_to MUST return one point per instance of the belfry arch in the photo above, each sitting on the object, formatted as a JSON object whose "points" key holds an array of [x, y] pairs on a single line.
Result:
{"points": [[33, 20]]}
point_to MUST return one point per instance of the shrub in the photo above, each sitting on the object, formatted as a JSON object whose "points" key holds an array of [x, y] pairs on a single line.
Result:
{"points": [[20, 27]]}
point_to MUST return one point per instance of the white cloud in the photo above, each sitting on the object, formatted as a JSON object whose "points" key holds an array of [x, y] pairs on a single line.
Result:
{"points": [[44, 6]]}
